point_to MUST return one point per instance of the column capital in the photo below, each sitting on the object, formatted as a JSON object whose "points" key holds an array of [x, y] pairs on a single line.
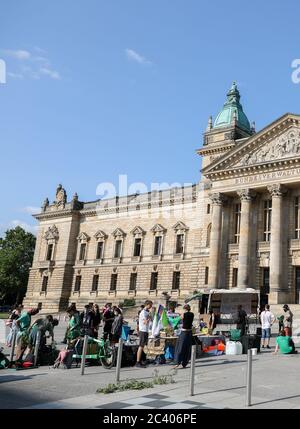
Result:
{"points": [[217, 198], [246, 194], [277, 190]]}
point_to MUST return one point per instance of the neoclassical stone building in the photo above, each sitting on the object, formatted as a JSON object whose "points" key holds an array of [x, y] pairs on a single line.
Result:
{"points": [[238, 227]]}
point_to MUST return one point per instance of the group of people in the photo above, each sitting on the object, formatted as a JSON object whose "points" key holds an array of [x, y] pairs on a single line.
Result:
{"points": [[88, 322], [26, 332], [284, 341], [185, 339]]}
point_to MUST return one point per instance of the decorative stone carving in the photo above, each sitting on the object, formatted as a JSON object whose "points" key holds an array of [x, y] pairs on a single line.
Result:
{"points": [[75, 204], [118, 233], [180, 227], [51, 233], [61, 197], [246, 194], [217, 198], [158, 229], [285, 146], [83, 237], [45, 205], [100, 235], [277, 190], [138, 231]]}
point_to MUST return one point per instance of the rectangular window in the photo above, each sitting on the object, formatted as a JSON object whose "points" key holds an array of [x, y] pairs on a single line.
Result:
{"points": [[266, 281], [95, 283], [113, 282], [153, 282], [99, 254], [234, 277], [45, 284], [297, 217], [77, 283], [206, 275], [267, 219], [208, 209], [237, 223], [82, 252], [137, 247], [118, 248], [49, 252], [176, 280], [179, 243], [157, 245], [133, 279]]}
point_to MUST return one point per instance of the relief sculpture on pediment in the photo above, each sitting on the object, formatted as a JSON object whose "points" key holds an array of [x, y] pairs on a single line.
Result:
{"points": [[285, 146]]}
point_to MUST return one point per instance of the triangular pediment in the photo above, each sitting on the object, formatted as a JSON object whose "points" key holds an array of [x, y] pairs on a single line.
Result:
{"points": [[100, 235], [158, 228], [118, 233], [83, 237], [138, 231], [277, 143], [180, 226]]}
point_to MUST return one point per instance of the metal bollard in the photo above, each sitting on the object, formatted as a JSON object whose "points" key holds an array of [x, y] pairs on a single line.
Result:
{"points": [[84, 350], [192, 374], [37, 346], [119, 360], [249, 379], [13, 345]]}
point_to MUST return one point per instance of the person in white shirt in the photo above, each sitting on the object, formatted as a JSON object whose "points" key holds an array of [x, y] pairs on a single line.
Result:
{"points": [[144, 327], [267, 319]]}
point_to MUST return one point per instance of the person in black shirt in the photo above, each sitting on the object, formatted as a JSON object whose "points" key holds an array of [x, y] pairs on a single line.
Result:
{"points": [[108, 318], [97, 319], [241, 319], [185, 339]]}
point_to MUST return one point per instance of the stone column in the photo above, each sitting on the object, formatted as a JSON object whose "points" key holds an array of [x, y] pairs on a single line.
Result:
{"points": [[276, 245], [246, 197], [215, 240]]}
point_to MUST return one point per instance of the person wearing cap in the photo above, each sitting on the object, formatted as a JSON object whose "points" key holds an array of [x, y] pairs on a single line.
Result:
{"points": [[185, 339], [287, 320]]}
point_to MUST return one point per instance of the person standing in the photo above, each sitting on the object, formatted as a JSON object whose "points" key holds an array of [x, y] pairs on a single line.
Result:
{"points": [[11, 322], [73, 331], [87, 321], [287, 320], [267, 319], [108, 318], [185, 339], [138, 317], [144, 327], [241, 319], [97, 319], [116, 329]]}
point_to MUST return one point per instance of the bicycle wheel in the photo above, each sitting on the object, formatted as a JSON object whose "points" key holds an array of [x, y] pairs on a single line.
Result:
{"points": [[109, 358]]}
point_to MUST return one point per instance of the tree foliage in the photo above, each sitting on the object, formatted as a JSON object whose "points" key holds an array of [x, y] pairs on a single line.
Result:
{"points": [[16, 255]]}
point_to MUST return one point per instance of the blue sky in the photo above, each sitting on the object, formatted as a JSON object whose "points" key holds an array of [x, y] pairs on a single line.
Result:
{"points": [[101, 88]]}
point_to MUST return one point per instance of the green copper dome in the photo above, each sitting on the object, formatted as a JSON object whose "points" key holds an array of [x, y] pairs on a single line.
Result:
{"points": [[232, 111]]}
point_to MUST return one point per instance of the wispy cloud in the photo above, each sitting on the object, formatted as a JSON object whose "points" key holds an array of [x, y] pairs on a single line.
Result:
{"points": [[18, 54], [30, 64], [16, 222], [135, 56], [49, 72], [30, 210]]}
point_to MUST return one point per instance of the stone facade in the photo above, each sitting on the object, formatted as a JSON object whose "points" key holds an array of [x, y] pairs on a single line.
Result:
{"points": [[238, 227]]}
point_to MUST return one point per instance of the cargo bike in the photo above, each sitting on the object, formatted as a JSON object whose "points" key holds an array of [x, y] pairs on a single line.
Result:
{"points": [[98, 352]]}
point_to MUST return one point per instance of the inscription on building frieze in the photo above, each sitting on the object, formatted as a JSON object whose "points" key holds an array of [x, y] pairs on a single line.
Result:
{"points": [[267, 176]]}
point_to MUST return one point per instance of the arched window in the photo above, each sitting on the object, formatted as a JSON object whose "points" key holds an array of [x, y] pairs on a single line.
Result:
{"points": [[208, 235]]}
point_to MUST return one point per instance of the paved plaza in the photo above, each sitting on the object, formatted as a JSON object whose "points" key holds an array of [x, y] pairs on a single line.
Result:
{"points": [[219, 383]]}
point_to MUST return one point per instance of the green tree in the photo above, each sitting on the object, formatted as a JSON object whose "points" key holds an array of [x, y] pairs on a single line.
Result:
{"points": [[16, 255]]}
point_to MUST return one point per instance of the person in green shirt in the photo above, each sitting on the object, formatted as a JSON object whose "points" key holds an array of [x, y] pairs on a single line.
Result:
{"points": [[23, 324], [73, 331], [284, 344], [43, 325]]}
